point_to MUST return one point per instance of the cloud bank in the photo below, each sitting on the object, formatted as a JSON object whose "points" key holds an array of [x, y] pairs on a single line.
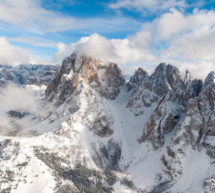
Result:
{"points": [[187, 43], [13, 98], [21, 100]]}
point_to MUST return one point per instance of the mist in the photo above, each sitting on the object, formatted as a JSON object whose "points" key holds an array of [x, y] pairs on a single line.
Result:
{"points": [[17, 101]]}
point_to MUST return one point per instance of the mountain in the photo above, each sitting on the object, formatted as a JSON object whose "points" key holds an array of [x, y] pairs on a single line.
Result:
{"points": [[27, 74], [98, 133]]}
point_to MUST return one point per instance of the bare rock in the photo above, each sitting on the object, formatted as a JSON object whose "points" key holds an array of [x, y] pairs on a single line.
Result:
{"points": [[139, 76], [209, 185], [105, 79]]}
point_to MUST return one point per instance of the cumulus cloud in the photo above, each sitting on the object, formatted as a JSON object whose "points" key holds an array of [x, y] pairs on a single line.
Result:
{"points": [[192, 47], [194, 37], [65, 50], [175, 23], [96, 46], [12, 55], [134, 49]]}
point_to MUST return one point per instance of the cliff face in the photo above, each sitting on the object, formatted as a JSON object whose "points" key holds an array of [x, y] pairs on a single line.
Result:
{"points": [[172, 104], [106, 79]]}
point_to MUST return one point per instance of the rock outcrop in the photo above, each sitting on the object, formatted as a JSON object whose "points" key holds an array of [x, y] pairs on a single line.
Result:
{"points": [[136, 80], [166, 78]]}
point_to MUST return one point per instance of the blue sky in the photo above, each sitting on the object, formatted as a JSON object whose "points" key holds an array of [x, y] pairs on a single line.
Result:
{"points": [[129, 32]]}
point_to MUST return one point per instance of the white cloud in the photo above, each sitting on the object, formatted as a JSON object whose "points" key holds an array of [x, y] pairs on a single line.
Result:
{"points": [[21, 100], [175, 23], [185, 40], [31, 15], [192, 47], [192, 41], [170, 24], [133, 50], [151, 5], [98, 47], [11, 55], [95, 46], [16, 98], [199, 69], [65, 50]]}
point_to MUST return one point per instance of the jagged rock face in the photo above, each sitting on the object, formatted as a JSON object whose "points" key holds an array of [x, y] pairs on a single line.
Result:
{"points": [[165, 78], [199, 120], [195, 130], [209, 185], [106, 79], [188, 76], [192, 89], [163, 120], [139, 76], [142, 97], [171, 107], [108, 155], [6, 75], [102, 125], [207, 110], [149, 90], [80, 85], [187, 135]]}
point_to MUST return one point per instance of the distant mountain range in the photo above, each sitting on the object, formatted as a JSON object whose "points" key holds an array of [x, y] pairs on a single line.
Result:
{"points": [[27, 74]]}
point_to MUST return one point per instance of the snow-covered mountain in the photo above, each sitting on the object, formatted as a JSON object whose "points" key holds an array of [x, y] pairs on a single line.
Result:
{"points": [[95, 132], [27, 74]]}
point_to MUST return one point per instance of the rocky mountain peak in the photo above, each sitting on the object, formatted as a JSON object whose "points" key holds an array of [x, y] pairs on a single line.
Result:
{"points": [[139, 76], [210, 79], [151, 89], [174, 94], [79, 70], [165, 78], [188, 76]]}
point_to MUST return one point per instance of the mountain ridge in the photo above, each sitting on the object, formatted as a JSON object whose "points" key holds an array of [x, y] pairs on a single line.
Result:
{"points": [[150, 134]]}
